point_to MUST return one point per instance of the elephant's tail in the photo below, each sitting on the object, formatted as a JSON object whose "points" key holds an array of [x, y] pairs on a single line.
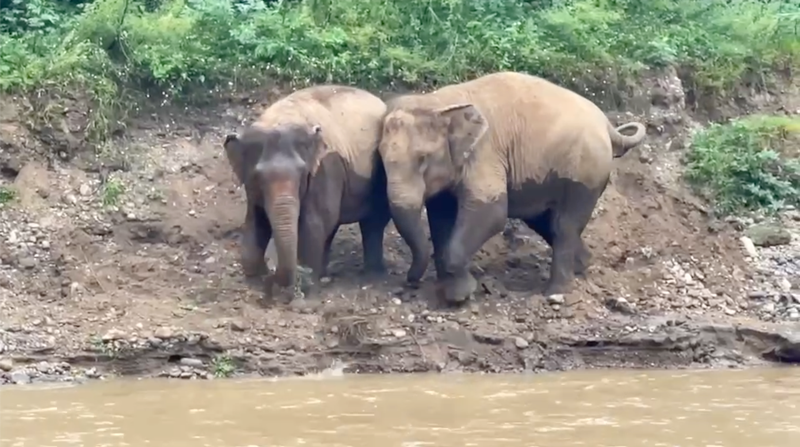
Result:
{"points": [[622, 143]]}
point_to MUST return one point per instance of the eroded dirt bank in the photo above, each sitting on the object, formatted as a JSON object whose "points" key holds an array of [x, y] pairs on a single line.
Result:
{"points": [[125, 263]]}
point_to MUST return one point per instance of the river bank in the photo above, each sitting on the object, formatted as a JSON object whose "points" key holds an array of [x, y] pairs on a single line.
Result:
{"points": [[123, 262]]}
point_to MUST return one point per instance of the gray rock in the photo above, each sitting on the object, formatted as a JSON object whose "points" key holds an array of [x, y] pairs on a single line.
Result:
{"points": [[556, 299], [6, 365], [768, 235], [20, 377], [192, 363], [113, 334], [521, 343], [163, 333]]}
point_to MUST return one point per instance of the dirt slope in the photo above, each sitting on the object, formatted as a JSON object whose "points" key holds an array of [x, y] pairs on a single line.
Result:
{"points": [[151, 284]]}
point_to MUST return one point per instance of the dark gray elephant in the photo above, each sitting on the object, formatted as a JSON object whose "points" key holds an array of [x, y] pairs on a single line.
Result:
{"points": [[309, 164], [503, 145]]}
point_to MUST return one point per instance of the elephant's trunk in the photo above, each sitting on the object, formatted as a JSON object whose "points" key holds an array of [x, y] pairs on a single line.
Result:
{"points": [[406, 206], [283, 211]]}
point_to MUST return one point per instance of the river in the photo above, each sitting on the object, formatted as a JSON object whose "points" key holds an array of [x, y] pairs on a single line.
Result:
{"points": [[746, 408]]}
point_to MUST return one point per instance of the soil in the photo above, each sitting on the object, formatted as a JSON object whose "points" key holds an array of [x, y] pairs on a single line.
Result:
{"points": [[143, 279]]}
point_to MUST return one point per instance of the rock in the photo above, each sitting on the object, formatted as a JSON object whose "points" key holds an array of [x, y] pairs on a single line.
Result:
{"points": [[43, 367], [192, 363], [6, 365], [768, 235], [768, 308], [27, 262], [113, 334], [621, 305], [749, 247], [85, 190], [556, 299], [399, 333], [92, 373], [238, 325], [20, 377], [163, 333], [521, 343], [785, 285]]}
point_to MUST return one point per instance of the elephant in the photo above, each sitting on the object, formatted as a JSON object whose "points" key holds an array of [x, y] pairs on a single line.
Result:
{"points": [[504, 145], [309, 164]]}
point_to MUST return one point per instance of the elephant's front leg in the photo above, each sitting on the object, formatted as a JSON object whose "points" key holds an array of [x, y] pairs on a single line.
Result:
{"points": [[476, 223], [256, 234], [442, 211]]}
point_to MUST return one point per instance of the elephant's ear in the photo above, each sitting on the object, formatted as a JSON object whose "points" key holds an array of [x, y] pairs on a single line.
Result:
{"points": [[320, 148], [466, 127], [235, 152]]}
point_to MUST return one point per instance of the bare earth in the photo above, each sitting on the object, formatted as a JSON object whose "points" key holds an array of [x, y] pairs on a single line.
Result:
{"points": [[151, 285]]}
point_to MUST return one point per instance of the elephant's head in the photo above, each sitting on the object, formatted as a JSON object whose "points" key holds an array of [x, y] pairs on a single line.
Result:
{"points": [[275, 165], [424, 150]]}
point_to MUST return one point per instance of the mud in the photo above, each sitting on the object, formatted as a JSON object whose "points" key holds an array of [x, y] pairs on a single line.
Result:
{"points": [[123, 261]]}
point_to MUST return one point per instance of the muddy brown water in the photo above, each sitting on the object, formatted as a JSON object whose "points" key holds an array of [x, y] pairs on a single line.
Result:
{"points": [[590, 408]]}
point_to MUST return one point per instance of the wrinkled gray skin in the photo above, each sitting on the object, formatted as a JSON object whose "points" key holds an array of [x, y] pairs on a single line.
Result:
{"points": [[288, 199]]}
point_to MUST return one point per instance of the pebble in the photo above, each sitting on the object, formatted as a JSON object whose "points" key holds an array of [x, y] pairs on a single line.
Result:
{"points": [[556, 299], [113, 334], [749, 247], [521, 343], [6, 365], [20, 377], [399, 333], [163, 333], [192, 363]]}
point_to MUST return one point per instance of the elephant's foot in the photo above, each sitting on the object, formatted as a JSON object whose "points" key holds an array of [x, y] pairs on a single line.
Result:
{"points": [[558, 288], [254, 267], [456, 290], [373, 271]]}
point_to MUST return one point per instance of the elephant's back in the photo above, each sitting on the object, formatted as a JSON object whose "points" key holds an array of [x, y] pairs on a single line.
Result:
{"points": [[538, 128], [350, 119]]}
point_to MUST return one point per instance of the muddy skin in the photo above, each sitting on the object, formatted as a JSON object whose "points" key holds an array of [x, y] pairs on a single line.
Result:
{"points": [[256, 233], [328, 204], [561, 213], [442, 211], [407, 222]]}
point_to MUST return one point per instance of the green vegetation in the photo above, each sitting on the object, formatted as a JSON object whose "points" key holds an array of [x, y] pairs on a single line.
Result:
{"points": [[749, 164], [7, 194], [222, 366], [107, 49], [112, 191]]}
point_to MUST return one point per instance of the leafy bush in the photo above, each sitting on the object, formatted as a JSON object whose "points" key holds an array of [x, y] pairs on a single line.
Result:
{"points": [[179, 47], [748, 164]]}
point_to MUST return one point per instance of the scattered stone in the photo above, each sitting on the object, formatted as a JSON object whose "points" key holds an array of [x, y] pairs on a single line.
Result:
{"points": [[238, 325], [192, 363], [114, 334], [399, 333], [521, 343], [749, 247], [20, 377], [163, 333], [768, 235], [556, 299], [6, 365]]}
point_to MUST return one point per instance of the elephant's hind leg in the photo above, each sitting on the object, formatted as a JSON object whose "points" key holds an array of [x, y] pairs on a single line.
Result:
{"points": [[542, 225], [373, 228], [568, 220]]}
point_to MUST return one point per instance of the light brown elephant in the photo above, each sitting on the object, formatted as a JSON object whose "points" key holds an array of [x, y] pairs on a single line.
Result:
{"points": [[309, 164], [503, 145]]}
